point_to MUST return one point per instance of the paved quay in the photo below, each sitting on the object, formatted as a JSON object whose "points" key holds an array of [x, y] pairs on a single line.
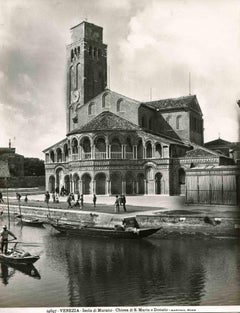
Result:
{"points": [[148, 205]]}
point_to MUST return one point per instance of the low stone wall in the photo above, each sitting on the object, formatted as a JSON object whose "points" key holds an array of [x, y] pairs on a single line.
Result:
{"points": [[22, 182], [175, 226], [171, 226]]}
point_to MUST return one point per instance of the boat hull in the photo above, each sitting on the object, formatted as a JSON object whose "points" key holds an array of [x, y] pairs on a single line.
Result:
{"points": [[19, 260], [31, 222], [105, 232]]}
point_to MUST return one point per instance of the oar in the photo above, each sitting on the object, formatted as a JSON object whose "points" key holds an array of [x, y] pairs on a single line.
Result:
{"points": [[26, 243]]}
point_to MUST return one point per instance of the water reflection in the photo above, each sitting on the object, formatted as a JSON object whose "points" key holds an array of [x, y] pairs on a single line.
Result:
{"points": [[120, 272], [9, 270]]}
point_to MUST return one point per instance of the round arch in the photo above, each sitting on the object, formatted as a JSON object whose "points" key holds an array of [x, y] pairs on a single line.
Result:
{"points": [[116, 183], [100, 179], [140, 184], [67, 183], [129, 178], [51, 184], [76, 183], [158, 183], [86, 184], [60, 178]]}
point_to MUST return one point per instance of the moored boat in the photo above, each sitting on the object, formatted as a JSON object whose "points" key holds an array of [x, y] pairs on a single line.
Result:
{"points": [[31, 221], [96, 231]]}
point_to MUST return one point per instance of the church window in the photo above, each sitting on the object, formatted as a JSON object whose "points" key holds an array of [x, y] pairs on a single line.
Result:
{"points": [[91, 108], [104, 100], [168, 118], [143, 121], [178, 122], [181, 176], [95, 52], [99, 53], [119, 105], [90, 51], [78, 84]]}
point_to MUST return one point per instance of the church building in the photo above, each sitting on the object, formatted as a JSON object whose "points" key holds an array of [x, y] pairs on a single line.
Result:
{"points": [[117, 145]]}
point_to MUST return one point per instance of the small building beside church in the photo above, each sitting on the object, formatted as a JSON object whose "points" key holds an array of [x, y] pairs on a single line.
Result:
{"points": [[118, 145]]}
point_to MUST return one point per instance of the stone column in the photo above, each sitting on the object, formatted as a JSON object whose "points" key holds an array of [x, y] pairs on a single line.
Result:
{"points": [[109, 187], [145, 186], [134, 152], [144, 152], [80, 186], [153, 151], [93, 186], [124, 187], [109, 152]]}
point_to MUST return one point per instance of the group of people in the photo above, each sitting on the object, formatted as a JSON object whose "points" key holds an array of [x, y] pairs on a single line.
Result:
{"points": [[77, 203], [120, 201], [19, 196]]}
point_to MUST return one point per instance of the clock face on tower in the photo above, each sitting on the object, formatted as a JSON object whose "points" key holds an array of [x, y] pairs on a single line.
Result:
{"points": [[75, 95]]}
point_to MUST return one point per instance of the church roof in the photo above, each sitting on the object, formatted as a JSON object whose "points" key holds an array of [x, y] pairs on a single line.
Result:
{"points": [[186, 102], [106, 121], [218, 143]]}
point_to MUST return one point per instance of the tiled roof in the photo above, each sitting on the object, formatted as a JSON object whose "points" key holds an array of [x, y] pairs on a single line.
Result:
{"points": [[218, 142], [106, 121], [174, 103]]}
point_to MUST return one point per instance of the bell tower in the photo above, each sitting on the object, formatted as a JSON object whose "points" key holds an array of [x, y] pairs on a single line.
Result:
{"points": [[86, 68]]}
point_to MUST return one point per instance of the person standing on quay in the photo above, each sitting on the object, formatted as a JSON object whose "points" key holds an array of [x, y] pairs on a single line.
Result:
{"points": [[94, 200], [47, 197], [117, 205], [124, 203], [4, 239], [81, 200]]}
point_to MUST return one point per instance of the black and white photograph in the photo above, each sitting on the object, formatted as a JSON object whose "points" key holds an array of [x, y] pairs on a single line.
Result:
{"points": [[119, 156]]}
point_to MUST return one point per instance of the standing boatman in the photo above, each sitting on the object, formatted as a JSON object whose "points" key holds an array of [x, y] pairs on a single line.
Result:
{"points": [[4, 238]]}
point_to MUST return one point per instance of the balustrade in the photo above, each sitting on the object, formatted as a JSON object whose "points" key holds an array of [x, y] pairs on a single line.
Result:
{"points": [[100, 155], [86, 155], [75, 157], [129, 155], [116, 155]]}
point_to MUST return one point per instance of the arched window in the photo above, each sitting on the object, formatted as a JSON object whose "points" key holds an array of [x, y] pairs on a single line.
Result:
{"points": [[95, 52], [78, 84], [104, 99], [99, 53], [168, 118], [143, 121], [74, 146], [90, 51], [181, 176], [119, 105], [178, 122], [91, 108]]}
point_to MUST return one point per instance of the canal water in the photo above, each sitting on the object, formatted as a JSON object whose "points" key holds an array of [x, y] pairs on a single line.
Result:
{"points": [[103, 272]]}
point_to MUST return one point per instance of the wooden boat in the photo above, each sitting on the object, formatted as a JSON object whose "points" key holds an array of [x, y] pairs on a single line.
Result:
{"points": [[95, 231], [18, 256], [31, 221]]}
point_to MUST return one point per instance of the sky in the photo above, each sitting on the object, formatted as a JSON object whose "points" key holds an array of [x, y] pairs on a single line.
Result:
{"points": [[152, 45]]}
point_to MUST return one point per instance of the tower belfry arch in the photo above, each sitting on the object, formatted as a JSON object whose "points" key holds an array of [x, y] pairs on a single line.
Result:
{"points": [[86, 68]]}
